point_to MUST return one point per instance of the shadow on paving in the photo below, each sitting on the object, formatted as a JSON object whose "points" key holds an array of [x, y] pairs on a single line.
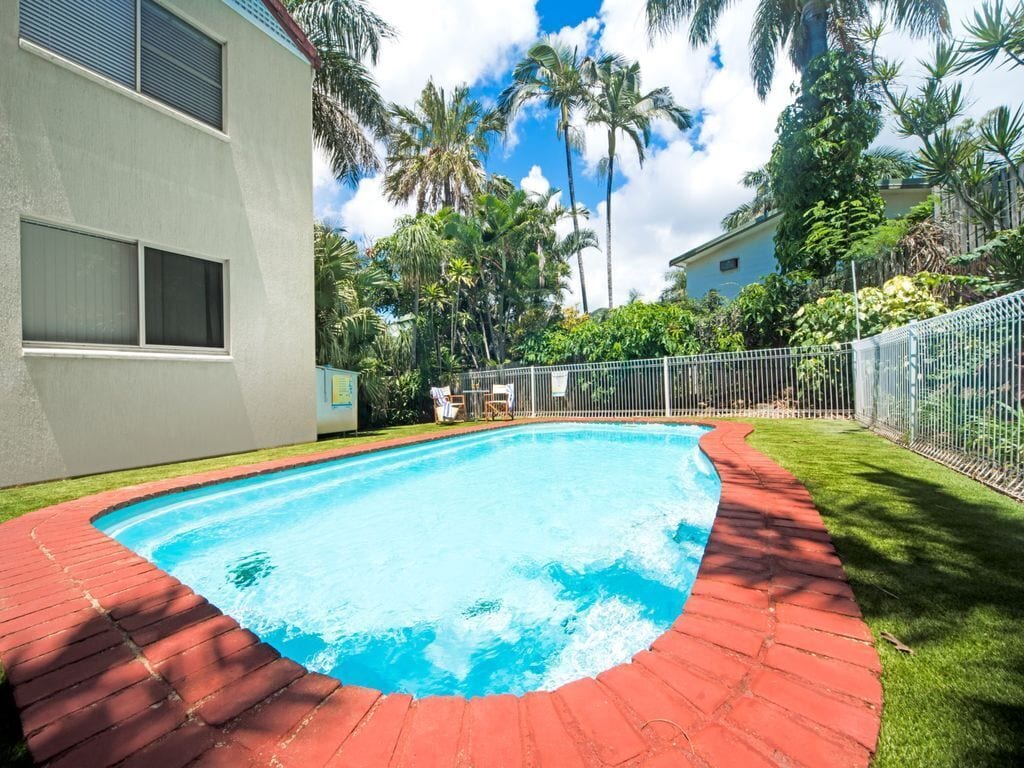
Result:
{"points": [[70, 701]]}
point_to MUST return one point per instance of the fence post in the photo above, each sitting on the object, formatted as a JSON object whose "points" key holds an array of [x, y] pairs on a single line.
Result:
{"points": [[533, 391], [668, 389], [912, 357]]}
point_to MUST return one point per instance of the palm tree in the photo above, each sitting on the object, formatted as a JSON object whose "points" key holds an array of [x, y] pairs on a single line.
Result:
{"points": [[554, 73], [620, 106], [436, 149], [417, 249], [348, 111], [346, 323], [807, 27], [460, 275]]}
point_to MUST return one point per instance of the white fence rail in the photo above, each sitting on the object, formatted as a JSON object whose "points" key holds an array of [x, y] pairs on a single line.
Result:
{"points": [[952, 388], [775, 383]]}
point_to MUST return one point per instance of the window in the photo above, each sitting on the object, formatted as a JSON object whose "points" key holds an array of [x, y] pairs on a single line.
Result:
{"points": [[728, 265], [84, 289], [78, 288], [184, 300], [170, 61]]}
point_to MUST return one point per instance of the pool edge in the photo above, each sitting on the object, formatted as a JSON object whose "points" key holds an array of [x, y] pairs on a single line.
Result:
{"points": [[769, 656]]}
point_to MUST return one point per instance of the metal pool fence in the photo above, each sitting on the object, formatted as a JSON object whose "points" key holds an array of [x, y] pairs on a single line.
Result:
{"points": [[774, 383], [951, 388]]}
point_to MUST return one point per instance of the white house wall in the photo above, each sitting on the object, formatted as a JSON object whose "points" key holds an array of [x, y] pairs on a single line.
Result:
{"points": [[83, 154]]}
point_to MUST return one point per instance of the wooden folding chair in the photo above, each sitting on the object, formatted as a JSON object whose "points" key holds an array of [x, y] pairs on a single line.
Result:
{"points": [[458, 403], [499, 403]]}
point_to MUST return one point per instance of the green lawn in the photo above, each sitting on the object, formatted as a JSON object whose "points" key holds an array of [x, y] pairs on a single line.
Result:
{"points": [[934, 558]]}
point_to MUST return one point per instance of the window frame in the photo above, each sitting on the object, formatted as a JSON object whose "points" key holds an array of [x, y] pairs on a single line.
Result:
{"points": [[140, 249], [735, 264], [135, 91]]}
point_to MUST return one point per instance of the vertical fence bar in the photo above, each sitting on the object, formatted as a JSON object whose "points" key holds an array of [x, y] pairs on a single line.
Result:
{"points": [[668, 388]]}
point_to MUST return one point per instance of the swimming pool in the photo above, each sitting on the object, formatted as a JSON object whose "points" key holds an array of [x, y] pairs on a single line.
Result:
{"points": [[496, 562]]}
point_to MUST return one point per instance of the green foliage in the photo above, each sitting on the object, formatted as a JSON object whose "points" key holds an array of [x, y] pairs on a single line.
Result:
{"points": [[832, 318], [631, 332], [958, 153], [992, 33], [832, 230], [436, 149], [766, 309], [819, 159], [1004, 257]]}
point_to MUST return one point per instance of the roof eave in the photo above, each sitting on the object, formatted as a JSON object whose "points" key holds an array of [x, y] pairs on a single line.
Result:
{"points": [[294, 31]]}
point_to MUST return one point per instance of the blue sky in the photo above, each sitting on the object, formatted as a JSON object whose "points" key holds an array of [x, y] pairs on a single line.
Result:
{"points": [[688, 182]]}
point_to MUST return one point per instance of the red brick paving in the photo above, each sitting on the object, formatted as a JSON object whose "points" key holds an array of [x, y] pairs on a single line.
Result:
{"points": [[113, 662]]}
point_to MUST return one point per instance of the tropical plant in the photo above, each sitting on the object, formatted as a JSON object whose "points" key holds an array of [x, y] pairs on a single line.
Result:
{"points": [[348, 111], [762, 203], [620, 105], [993, 32], [833, 318], [819, 158], [436, 149], [554, 74], [1003, 256], [808, 28], [416, 249], [959, 154], [348, 330]]}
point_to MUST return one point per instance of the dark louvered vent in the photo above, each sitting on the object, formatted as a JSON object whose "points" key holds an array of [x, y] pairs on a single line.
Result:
{"points": [[98, 34], [180, 65]]}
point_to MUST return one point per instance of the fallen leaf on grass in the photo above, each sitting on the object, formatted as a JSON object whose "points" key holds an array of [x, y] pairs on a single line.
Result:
{"points": [[898, 644]]}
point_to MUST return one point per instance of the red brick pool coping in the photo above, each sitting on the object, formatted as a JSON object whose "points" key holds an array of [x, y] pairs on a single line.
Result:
{"points": [[114, 662]]}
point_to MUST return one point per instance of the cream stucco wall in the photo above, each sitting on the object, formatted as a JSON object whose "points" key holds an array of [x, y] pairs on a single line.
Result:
{"points": [[80, 153], [755, 249]]}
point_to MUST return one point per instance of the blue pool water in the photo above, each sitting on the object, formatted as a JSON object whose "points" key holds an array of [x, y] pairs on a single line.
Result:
{"points": [[500, 562]]}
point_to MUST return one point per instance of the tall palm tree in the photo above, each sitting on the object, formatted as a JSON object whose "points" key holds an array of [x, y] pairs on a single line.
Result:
{"points": [[436, 149], [348, 111], [621, 106], [806, 27], [554, 73]]}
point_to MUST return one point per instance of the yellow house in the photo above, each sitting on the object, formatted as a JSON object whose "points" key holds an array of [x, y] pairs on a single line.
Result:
{"points": [[746, 254], [156, 287]]}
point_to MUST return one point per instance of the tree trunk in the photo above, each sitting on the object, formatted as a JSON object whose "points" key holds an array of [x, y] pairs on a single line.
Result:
{"points": [[572, 204], [455, 317], [814, 16], [608, 214], [415, 323]]}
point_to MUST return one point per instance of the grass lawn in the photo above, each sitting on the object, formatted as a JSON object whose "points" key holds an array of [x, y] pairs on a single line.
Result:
{"points": [[934, 558]]}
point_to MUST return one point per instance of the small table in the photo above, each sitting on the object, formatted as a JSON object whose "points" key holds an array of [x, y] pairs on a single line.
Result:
{"points": [[474, 402]]}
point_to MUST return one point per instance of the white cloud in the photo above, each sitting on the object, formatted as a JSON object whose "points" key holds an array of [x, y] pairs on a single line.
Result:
{"points": [[368, 215], [455, 41], [535, 183]]}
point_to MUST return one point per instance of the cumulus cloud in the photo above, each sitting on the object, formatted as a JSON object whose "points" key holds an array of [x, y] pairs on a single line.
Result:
{"points": [[368, 215], [455, 41]]}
